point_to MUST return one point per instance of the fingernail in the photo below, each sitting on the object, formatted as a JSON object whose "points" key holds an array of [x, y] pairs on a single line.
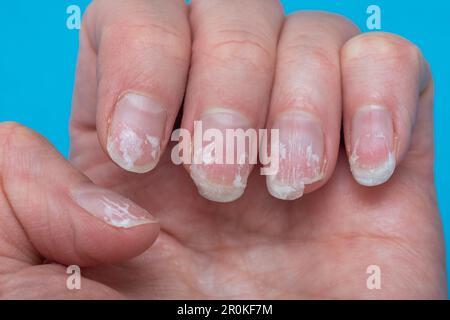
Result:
{"points": [[301, 154], [224, 181], [111, 207], [136, 132], [372, 159]]}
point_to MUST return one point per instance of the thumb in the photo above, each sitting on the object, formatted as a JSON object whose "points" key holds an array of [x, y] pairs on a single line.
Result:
{"points": [[65, 216]]}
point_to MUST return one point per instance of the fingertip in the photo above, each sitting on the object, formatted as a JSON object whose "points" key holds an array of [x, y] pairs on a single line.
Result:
{"points": [[383, 76]]}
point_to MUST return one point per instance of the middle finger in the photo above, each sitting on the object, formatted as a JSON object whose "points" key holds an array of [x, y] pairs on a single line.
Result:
{"points": [[233, 62]]}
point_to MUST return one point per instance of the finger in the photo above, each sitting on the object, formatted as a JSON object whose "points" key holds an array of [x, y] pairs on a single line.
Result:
{"points": [[142, 52], [383, 76], [233, 62], [66, 217], [306, 102]]}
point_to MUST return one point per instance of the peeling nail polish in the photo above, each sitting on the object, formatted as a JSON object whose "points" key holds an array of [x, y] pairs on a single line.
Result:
{"points": [[136, 132], [302, 153], [224, 181], [111, 207]]}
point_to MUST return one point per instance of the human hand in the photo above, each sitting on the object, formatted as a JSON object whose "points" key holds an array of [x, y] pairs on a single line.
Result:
{"points": [[246, 66]]}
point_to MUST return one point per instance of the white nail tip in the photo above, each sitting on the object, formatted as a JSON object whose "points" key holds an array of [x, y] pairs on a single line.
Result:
{"points": [[371, 177], [288, 191], [283, 191], [216, 192]]}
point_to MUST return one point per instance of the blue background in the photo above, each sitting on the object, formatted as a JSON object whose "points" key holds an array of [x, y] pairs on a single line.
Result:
{"points": [[38, 57]]}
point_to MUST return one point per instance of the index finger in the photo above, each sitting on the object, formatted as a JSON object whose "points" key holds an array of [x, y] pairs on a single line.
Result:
{"points": [[131, 77]]}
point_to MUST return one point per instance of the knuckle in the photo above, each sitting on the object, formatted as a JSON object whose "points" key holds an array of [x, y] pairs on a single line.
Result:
{"points": [[313, 54], [236, 47], [145, 37], [314, 38], [384, 47]]}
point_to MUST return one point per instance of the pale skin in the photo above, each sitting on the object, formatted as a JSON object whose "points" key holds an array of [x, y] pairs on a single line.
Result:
{"points": [[247, 58]]}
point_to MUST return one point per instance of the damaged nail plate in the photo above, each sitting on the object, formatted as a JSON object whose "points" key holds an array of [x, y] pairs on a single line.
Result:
{"points": [[220, 190], [136, 132], [111, 207], [223, 181], [372, 159], [302, 155]]}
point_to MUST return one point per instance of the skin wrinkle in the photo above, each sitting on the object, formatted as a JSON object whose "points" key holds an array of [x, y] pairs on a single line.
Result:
{"points": [[239, 39], [82, 256], [6, 145], [236, 224], [45, 273], [6, 239], [309, 239], [321, 58], [10, 264], [333, 240], [351, 236], [247, 272], [225, 62], [167, 48]]}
